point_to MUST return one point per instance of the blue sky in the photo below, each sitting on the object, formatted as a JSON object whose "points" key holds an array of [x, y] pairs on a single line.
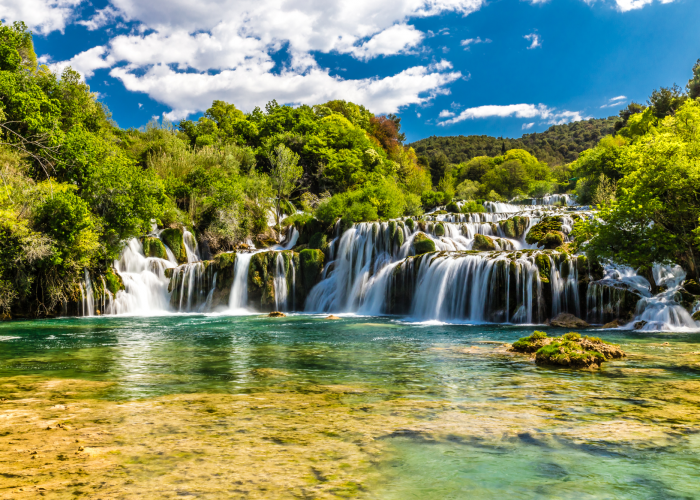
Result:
{"points": [[449, 67]]}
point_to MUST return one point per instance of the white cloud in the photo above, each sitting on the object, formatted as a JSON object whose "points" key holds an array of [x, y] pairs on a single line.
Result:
{"points": [[615, 101], [247, 86], [534, 40], [86, 62], [41, 16], [446, 114], [99, 19], [471, 41], [528, 126], [548, 115], [186, 54], [397, 39], [627, 5]]}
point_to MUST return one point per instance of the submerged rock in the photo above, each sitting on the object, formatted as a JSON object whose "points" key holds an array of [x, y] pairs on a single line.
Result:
{"points": [[566, 320], [639, 325], [277, 314], [571, 350]]}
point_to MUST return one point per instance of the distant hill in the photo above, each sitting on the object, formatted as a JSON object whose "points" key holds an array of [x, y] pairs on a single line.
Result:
{"points": [[557, 145]]}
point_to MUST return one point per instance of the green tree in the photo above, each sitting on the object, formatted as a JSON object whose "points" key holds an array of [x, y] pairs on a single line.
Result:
{"points": [[284, 174]]}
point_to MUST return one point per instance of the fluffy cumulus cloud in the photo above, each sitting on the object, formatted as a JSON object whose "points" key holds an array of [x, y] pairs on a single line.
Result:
{"points": [[185, 54], [545, 113], [42, 16], [627, 5]]}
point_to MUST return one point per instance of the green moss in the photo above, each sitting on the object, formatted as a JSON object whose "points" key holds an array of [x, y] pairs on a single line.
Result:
{"points": [[573, 336], [483, 243], [439, 230], [544, 265], [529, 344], [173, 238], [508, 227], [318, 241], [410, 224], [547, 233], [311, 264], [423, 244], [453, 208], [398, 237], [153, 247], [113, 281], [568, 353]]}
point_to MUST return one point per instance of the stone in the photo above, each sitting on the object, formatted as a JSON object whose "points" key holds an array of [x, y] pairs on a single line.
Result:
{"points": [[613, 324], [332, 316], [567, 320], [696, 316], [423, 244], [571, 350], [277, 314], [639, 325], [483, 243]]}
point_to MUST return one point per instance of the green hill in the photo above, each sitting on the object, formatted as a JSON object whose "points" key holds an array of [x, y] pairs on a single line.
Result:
{"points": [[557, 145]]}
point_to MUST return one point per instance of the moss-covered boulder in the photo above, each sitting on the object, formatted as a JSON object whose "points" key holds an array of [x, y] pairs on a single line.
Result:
{"points": [[439, 230], [318, 241], [172, 237], [422, 244], [410, 224], [533, 343], [452, 207], [696, 316], [311, 265], [261, 277], [153, 247], [571, 350], [483, 243], [547, 233], [113, 282], [544, 266]]}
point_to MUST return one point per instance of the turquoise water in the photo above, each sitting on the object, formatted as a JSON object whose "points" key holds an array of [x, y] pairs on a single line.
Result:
{"points": [[507, 429]]}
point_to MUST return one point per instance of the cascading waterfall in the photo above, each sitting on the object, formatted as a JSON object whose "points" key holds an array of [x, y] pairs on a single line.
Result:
{"points": [[662, 311], [145, 282], [280, 284], [87, 296]]}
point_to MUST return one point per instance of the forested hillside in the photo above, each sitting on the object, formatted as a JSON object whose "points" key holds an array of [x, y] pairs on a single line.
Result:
{"points": [[558, 145]]}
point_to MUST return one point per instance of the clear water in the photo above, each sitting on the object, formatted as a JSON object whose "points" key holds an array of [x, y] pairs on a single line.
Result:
{"points": [[504, 428]]}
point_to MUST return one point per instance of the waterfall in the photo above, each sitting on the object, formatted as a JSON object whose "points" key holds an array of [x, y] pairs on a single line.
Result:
{"points": [[190, 247], [564, 281], [87, 296], [280, 284], [238, 300], [145, 282]]}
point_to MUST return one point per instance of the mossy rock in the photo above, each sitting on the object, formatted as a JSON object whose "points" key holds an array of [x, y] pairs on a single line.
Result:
{"points": [[483, 243], [547, 233], [398, 237], [571, 350], [318, 241], [508, 227], [544, 266], [113, 281], [410, 224], [423, 244], [696, 316], [153, 247], [439, 230], [453, 208], [172, 237], [311, 264], [533, 343]]}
